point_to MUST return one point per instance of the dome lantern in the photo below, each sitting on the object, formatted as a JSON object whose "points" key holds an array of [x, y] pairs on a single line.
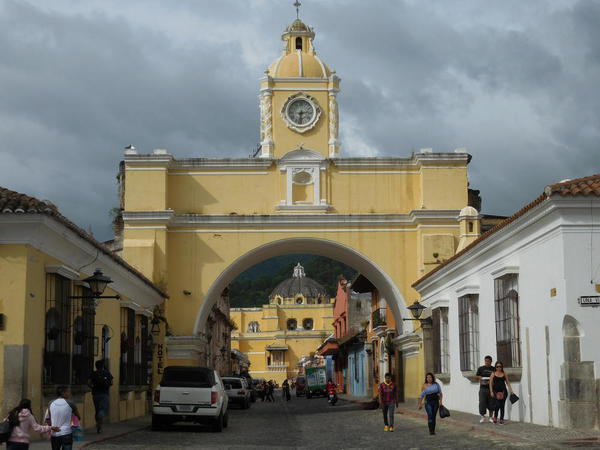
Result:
{"points": [[299, 286]]}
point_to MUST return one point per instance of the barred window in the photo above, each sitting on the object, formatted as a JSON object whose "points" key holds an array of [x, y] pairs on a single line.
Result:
{"points": [[508, 340], [441, 348], [58, 331], [127, 362], [83, 335], [468, 329]]}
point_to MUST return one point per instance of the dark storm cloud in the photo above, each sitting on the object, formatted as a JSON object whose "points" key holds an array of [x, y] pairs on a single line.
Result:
{"points": [[514, 82]]}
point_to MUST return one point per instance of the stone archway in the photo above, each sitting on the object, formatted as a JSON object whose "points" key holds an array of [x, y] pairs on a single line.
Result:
{"points": [[322, 247]]}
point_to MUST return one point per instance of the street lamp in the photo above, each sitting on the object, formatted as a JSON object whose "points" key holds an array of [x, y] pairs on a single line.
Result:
{"points": [[97, 283], [416, 309], [155, 328]]}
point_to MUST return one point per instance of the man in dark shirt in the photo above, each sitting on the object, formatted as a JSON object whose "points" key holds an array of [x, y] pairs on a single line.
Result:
{"points": [[486, 401], [100, 381]]}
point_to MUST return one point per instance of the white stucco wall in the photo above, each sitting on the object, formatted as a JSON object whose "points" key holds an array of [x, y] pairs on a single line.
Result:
{"points": [[549, 247]]}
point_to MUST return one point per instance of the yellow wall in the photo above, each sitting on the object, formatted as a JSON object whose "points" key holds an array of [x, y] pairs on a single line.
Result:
{"points": [[275, 331], [23, 301]]}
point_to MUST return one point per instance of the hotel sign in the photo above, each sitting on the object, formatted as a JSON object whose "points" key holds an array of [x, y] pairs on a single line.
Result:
{"points": [[593, 300]]}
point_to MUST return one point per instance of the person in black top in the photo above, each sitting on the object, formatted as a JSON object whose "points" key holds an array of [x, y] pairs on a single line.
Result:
{"points": [[498, 384], [485, 401], [100, 381]]}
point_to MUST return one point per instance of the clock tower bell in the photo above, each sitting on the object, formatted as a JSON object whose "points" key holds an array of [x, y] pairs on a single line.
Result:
{"points": [[298, 99]]}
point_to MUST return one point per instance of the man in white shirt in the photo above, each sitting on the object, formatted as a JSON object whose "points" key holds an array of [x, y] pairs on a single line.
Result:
{"points": [[61, 410]]}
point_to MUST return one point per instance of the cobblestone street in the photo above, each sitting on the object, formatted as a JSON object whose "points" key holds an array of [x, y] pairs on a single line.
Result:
{"points": [[304, 423]]}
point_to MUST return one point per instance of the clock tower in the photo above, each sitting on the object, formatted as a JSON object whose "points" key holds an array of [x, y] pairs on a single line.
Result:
{"points": [[298, 99]]}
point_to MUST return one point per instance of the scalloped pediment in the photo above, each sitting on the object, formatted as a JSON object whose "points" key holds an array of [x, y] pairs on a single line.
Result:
{"points": [[302, 154]]}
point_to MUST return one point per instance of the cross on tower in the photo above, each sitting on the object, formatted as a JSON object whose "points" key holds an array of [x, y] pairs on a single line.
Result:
{"points": [[297, 4]]}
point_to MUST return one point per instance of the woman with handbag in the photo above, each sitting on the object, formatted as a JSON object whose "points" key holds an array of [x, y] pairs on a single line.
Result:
{"points": [[498, 384], [432, 393], [22, 423]]}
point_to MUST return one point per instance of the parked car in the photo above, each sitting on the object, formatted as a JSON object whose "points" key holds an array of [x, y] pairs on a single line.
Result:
{"points": [[190, 394], [238, 391], [300, 385], [252, 386]]}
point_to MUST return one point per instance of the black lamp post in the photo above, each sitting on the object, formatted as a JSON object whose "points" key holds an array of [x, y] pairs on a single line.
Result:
{"points": [[98, 282], [416, 309], [155, 328]]}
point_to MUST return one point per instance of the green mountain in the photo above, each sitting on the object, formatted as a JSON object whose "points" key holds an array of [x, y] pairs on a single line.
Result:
{"points": [[253, 287]]}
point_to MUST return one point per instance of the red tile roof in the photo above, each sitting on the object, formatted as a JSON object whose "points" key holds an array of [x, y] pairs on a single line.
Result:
{"points": [[12, 202], [577, 187]]}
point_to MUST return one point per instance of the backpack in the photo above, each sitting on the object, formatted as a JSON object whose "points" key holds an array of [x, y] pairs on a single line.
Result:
{"points": [[5, 430]]}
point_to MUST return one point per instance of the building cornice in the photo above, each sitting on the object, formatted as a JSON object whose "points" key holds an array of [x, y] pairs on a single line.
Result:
{"points": [[413, 162], [414, 217]]}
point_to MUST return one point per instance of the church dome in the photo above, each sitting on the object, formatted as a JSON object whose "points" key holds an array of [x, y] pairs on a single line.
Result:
{"points": [[299, 58], [299, 285]]}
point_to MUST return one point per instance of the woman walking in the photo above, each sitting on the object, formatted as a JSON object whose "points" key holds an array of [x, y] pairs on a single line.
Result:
{"points": [[22, 422], [498, 384], [432, 393]]}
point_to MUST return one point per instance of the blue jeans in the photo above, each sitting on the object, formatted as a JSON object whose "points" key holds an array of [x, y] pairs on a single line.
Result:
{"points": [[432, 406], [62, 442], [101, 405]]}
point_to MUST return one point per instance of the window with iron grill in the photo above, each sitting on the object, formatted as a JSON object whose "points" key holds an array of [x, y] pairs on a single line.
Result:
{"points": [[508, 339], [127, 362], [441, 348], [468, 331], [83, 316], [57, 344], [146, 337]]}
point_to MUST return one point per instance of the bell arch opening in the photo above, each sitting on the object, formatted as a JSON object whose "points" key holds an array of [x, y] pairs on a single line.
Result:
{"points": [[321, 247]]}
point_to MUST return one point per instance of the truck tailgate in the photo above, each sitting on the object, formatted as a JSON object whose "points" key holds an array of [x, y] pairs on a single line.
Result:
{"points": [[185, 396]]}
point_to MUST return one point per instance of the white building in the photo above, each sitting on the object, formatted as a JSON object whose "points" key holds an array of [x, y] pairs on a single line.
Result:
{"points": [[526, 292]]}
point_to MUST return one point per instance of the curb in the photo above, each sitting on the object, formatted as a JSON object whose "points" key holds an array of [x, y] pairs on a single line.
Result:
{"points": [[114, 436]]}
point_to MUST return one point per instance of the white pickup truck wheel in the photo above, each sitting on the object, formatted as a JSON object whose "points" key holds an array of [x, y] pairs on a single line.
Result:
{"points": [[218, 424]]}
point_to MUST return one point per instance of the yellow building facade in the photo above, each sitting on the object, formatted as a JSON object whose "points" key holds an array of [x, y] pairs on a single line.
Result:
{"points": [[52, 330], [296, 320], [193, 225]]}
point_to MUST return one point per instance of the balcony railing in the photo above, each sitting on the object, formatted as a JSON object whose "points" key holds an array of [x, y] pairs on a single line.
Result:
{"points": [[378, 318]]}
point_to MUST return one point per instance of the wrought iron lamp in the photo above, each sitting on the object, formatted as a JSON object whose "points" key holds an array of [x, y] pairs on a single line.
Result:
{"points": [[416, 309], [97, 283]]}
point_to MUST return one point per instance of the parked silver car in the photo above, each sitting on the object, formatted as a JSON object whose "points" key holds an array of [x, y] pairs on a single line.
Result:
{"points": [[238, 391]]}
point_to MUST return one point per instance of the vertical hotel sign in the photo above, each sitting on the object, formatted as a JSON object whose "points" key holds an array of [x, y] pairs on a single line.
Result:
{"points": [[160, 358], [591, 300]]}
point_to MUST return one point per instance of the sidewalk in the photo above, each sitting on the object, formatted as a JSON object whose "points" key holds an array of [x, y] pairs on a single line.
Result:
{"points": [[518, 431], [111, 431]]}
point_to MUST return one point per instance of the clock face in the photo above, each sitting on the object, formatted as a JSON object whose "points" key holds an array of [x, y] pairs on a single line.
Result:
{"points": [[300, 112]]}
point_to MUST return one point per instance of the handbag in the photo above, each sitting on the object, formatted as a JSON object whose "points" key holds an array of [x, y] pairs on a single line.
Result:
{"points": [[5, 430], [444, 412], [513, 398], [499, 395]]}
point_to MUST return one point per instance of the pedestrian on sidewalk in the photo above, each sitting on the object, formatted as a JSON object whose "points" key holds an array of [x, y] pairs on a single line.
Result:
{"points": [[286, 390], [486, 402], [388, 399], [60, 412], [270, 388], [432, 393], [22, 421], [498, 384], [100, 381]]}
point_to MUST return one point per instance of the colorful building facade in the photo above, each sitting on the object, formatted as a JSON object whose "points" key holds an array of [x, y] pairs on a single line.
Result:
{"points": [[277, 336]]}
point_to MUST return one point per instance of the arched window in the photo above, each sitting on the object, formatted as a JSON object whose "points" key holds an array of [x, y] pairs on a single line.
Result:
{"points": [[307, 324], [298, 43], [292, 324], [299, 300], [253, 327]]}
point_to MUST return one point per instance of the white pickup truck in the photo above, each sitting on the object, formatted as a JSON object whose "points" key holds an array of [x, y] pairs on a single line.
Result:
{"points": [[190, 394]]}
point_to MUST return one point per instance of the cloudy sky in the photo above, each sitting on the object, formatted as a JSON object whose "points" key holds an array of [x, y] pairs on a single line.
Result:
{"points": [[515, 82]]}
